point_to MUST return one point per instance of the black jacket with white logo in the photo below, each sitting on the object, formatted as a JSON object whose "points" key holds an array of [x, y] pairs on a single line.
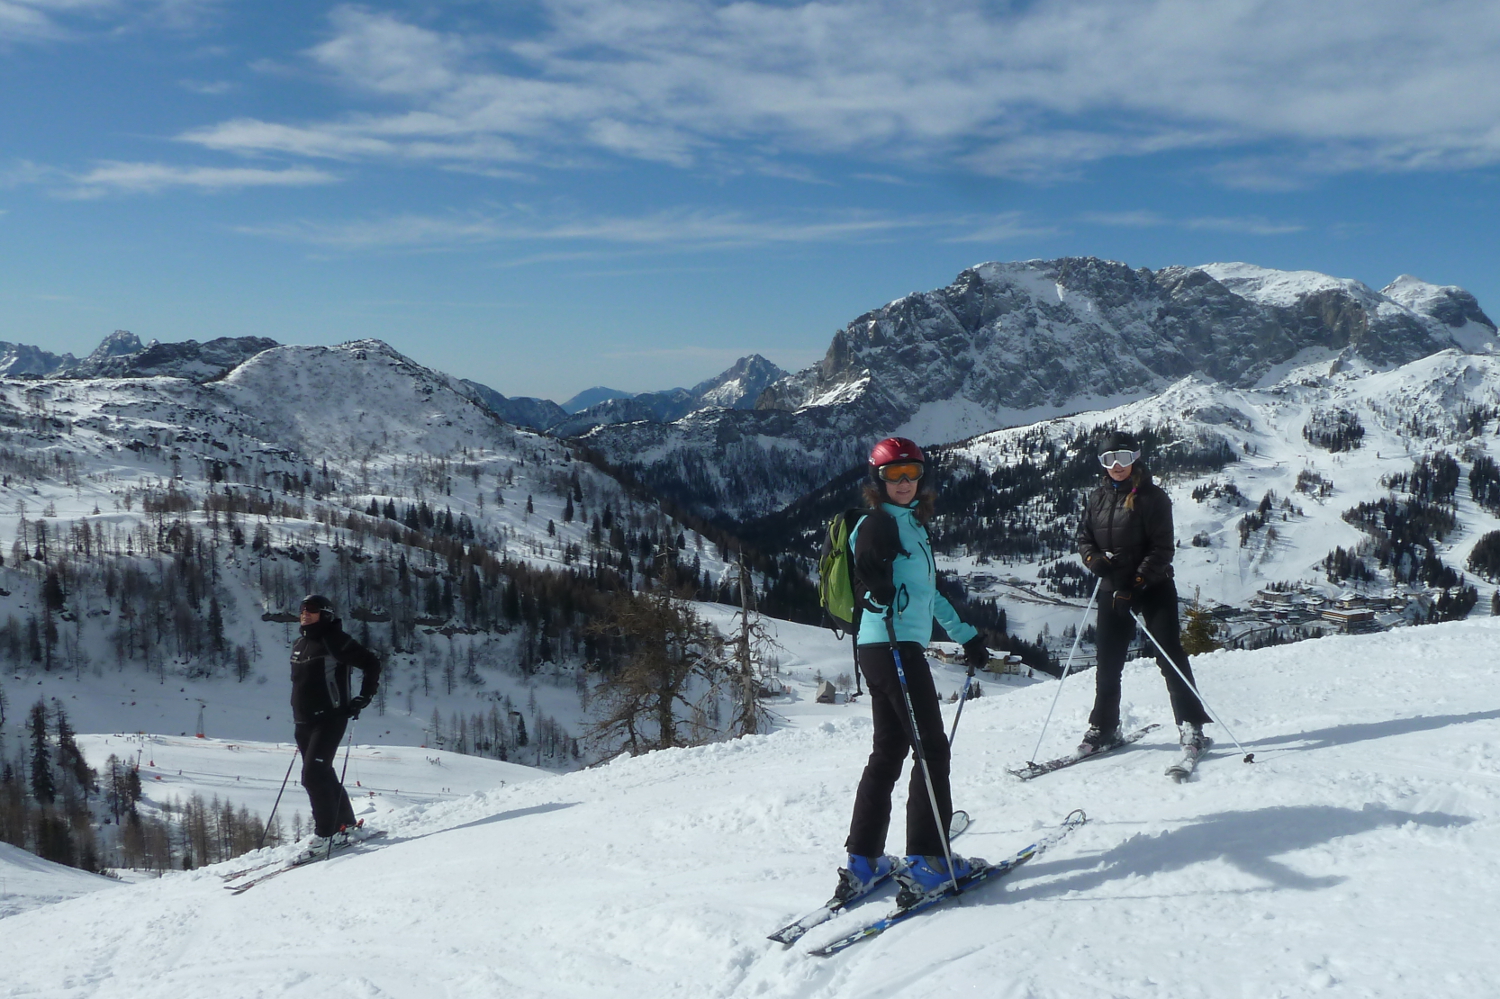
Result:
{"points": [[321, 660]]}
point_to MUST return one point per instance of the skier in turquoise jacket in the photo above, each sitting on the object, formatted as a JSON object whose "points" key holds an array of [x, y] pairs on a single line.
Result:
{"points": [[895, 580]]}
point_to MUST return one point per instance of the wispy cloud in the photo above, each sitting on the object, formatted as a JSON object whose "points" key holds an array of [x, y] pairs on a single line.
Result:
{"points": [[1032, 90], [208, 88], [999, 229], [31, 20], [143, 178], [668, 230], [1248, 225]]}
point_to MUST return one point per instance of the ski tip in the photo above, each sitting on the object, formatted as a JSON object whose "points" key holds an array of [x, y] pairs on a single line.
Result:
{"points": [[1076, 817]]}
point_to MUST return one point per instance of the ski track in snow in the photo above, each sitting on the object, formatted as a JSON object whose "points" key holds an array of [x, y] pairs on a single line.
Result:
{"points": [[1353, 858]]}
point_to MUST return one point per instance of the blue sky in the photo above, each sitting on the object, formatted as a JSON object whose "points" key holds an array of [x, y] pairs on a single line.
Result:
{"points": [[549, 194]]}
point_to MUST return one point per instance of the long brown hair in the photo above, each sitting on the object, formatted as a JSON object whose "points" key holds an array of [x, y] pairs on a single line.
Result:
{"points": [[1137, 476], [875, 495]]}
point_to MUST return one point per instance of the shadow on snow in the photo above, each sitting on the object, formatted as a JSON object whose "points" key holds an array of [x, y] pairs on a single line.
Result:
{"points": [[1248, 840]]}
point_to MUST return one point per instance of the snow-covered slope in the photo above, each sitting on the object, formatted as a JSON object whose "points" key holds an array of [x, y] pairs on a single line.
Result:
{"points": [[1420, 409], [29, 882], [1352, 858], [302, 471]]}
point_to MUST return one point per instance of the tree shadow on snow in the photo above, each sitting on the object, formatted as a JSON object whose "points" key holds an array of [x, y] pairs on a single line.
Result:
{"points": [[514, 813], [1248, 840], [1343, 735]]}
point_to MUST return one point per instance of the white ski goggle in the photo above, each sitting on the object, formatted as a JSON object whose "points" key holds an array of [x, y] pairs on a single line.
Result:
{"points": [[1122, 459]]}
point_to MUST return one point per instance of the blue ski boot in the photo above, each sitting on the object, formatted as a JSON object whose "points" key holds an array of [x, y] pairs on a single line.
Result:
{"points": [[922, 876], [862, 874]]}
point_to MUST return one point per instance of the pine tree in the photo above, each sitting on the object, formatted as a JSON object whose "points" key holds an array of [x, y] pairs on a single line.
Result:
{"points": [[43, 787], [1199, 635], [70, 758]]}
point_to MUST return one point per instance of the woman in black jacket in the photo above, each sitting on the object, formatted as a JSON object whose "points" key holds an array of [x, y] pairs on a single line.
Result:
{"points": [[322, 707], [1125, 538]]}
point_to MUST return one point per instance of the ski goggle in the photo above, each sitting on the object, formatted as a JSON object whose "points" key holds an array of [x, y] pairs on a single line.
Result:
{"points": [[902, 471], [1124, 459]]}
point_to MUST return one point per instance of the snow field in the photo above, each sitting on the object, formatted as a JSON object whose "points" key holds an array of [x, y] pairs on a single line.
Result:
{"points": [[1353, 858]]}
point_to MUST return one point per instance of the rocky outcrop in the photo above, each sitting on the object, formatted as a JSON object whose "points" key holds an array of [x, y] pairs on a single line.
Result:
{"points": [[1009, 343]]}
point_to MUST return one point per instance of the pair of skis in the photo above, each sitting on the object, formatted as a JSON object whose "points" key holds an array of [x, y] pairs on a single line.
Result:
{"points": [[238, 882], [1179, 771], [793, 931]]}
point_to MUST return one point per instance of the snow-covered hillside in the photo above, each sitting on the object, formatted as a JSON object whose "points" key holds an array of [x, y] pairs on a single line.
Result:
{"points": [[182, 522], [1439, 404], [1353, 858]]}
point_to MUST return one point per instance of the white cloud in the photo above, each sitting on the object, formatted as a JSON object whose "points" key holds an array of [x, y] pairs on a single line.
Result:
{"points": [[665, 230], [137, 178], [209, 88], [999, 229], [1028, 90], [30, 20], [1248, 225]]}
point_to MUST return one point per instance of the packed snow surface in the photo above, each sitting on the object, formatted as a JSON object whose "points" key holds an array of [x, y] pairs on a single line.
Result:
{"points": [[27, 881], [1355, 857]]}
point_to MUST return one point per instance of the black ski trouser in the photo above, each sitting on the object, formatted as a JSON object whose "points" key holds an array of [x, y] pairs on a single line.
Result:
{"points": [[892, 741], [1157, 606], [319, 743]]}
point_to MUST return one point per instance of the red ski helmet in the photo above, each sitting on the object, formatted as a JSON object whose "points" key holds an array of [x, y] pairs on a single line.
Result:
{"points": [[891, 451]]}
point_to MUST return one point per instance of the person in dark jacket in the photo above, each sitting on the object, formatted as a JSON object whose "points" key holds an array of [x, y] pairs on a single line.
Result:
{"points": [[1125, 538], [896, 581], [321, 708]]}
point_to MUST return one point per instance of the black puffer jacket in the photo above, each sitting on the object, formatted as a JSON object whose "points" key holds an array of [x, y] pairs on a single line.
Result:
{"points": [[321, 660], [1139, 542]]}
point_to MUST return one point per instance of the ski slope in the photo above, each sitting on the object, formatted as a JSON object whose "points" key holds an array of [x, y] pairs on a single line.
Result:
{"points": [[1355, 857]]}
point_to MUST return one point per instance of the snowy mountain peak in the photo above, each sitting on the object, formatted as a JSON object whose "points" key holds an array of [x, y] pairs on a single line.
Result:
{"points": [[118, 343], [740, 385], [1450, 305]]}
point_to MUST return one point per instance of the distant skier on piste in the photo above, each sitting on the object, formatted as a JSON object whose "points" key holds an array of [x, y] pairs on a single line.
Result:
{"points": [[1125, 537], [896, 581], [321, 710]]}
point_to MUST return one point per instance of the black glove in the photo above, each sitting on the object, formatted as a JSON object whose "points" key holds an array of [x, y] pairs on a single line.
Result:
{"points": [[1099, 564], [976, 656], [357, 704], [879, 597], [1128, 592]]}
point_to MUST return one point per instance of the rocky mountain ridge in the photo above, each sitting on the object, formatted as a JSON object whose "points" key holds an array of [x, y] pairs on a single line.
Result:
{"points": [[122, 355], [1011, 343]]}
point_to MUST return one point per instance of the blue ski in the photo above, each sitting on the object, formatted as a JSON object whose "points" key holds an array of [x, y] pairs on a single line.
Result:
{"points": [[792, 932], [1074, 819]]}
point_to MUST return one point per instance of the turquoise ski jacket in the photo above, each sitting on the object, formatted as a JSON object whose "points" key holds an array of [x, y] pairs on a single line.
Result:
{"points": [[897, 565]]}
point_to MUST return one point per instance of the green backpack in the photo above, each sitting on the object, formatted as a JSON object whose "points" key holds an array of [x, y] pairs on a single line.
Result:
{"points": [[836, 573]]}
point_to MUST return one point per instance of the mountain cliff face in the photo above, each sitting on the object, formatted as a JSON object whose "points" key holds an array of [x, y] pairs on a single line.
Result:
{"points": [[122, 355], [22, 360], [523, 411], [1009, 343]]}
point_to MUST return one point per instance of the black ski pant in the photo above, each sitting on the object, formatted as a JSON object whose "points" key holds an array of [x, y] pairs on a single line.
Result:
{"points": [[319, 743], [892, 741], [1157, 605]]}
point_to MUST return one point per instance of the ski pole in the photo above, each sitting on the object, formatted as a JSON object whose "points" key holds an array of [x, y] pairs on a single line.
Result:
{"points": [[272, 816], [916, 748], [342, 795], [1249, 757], [1073, 652], [962, 698]]}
